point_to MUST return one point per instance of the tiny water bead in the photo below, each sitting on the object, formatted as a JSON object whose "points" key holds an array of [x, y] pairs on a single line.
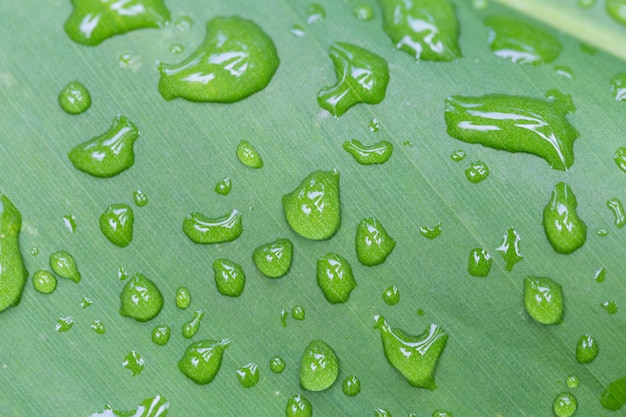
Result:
{"points": [[34, 251], [248, 375], [587, 349], [335, 278], [425, 29], [236, 59], [140, 198], [414, 357], [543, 298], [161, 335], [602, 232], [362, 77], [70, 222], [313, 209], [230, 278], [516, 124], [298, 313], [44, 282], [134, 362], [374, 125], [373, 243], [377, 153], [363, 12], [319, 366], [109, 154], [74, 98], [202, 360], [521, 42], [441, 413], [564, 405], [130, 61], [64, 324], [191, 327], [122, 274], [617, 208], [204, 230], [509, 248], [150, 407], [479, 263], [274, 259], [64, 265], [457, 156], [277, 364], [391, 296], [248, 155], [564, 71], [177, 49], [315, 13], [116, 224], [600, 275], [477, 172], [13, 274], [609, 306], [297, 31], [572, 381], [98, 327], [140, 299], [224, 186], [614, 395], [183, 297], [617, 10], [298, 406], [565, 231], [183, 23], [430, 232], [351, 386], [618, 86], [85, 303]]}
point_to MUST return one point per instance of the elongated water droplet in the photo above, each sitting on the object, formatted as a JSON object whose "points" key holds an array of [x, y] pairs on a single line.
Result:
{"points": [[140, 198], [64, 265], [74, 98], [92, 22], [134, 362], [565, 231], [587, 349], [618, 86], [614, 395], [373, 243], [44, 281], [224, 186], [70, 222], [377, 153], [457, 156], [441, 413], [521, 42], [363, 12], [391, 296], [274, 259], [479, 263], [161, 335], [236, 60], [13, 274], [543, 298], [312, 210], [202, 229], [477, 172], [298, 406], [98, 327], [277, 364], [609, 306], [248, 375], [183, 297], [617, 10], [425, 29], [108, 154], [335, 278], [362, 77], [283, 317], [602, 232], [414, 357], [600, 275], [202, 360], [564, 71], [248, 155], [150, 407], [140, 299], [620, 158], [319, 366], [191, 327], [315, 13], [297, 31], [230, 278], [564, 405], [516, 124], [116, 223], [572, 381], [298, 313], [618, 211], [64, 324], [351, 386], [381, 412], [122, 275], [430, 232], [509, 248]]}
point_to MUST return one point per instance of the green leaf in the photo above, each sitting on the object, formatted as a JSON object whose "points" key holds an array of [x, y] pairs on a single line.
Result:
{"points": [[498, 360]]}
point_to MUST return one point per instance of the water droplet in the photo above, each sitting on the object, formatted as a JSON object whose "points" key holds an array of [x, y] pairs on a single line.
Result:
{"points": [[161, 334], [618, 211], [315, 13], [407, 143], [457, 155], [298, 406], [614, 395], [116, 224], [74, 98], [44, 281], [363, 12], [224, 186], [85, 303], [335, 278], [34, 251], [479, 263], [521, 42], [13, 274], [108, 154], [441, 413], [92, 22], [374, 125], [249, 156], [134, 362], [564, 71], [391, 296], [70, 222], [477, 172], [572, 381], [277, 364], [126, 60], [414, 357], [248, 375], [183, 297], [381, 412], [362, 77], [543, 298], [150, 407], [297, 31], [298, 313], [516, 124], [351, 386], [202, 229], [509, 248], [140, 299], [236, 59], [191, 327], [564, 229], [564, 405], [202, 360], [420, 312], [64, 324], [64, 265], [377, 153], [230, 278], [312, 209], [177, 49], [586, 3], [98, 327], [274, 259], [426, 30], [319, 366], [141, 199], [609, 306], [283, 317], [122, 274], [600, 275], [617, 10], [373, 243], [430, 232], [618, 86], [602, 232], [183, 23]]}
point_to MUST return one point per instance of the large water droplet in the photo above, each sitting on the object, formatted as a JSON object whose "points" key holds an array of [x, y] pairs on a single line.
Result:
{"points": [[74, 98], [140, 299], [202, 229], [335, 278], [230, 279], [319, 366], [202, 360], [13, 274], [564, 405], [116, 223], [274, 259], [564, 229], [617, 10], [543, 298]]}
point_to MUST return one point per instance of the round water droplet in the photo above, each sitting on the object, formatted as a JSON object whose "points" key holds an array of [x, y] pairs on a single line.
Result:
{"points": [[34, 251], [274, 259], [116, 223], [564, 405], [191, 327], [315, 13], [140, 299], [298, 313], [351, 386], [572, 381], [477, 172], [202, 360], [373, 243], [204, 230], [44, 281], [298, 406], [161, 335], [479, 263], [134, 362], [230, 278], [543, 298], [277, 364], [224, 186], [614, 395], [183, 297], [587, 349], [335, 278], [363, 12], [457, 155], [74, 98], [141, 199], [319, 366], [248, 155], [64, 265], [98, 327], [248, 375], [391, 296], [609, 306]]}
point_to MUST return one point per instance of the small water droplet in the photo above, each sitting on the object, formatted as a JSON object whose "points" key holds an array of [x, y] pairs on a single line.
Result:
{"points": [[391, 296], [543, 298], [600, 275], [319, 366], [297, 31], [177, 49], [377, 153], [85, 302], [298, 406], [441, 413], [430, 232], [315, 13], [572, 381], [274, 259], [183, 297], [565, 231], [602, 232], [420, 312], [479, 263], [381, 412], [335, 278], [64, 265], [74, 98], [202, 360], [34, 251], [564, 405], [161, 334], [183, 23], [98, 327], [477, 172], [609, 306], [277, 364], [509, 248], [140, 299], [248, 375], [134, 362], [44, 281], [150, 407], [141, 199], [116, 224], [224, 186], [363, 12], [230, 279], [374, 125], [564, 71], [204, 230], [248, 155], [298, 313], [129, 61], [586, 3], [64, 324], [480, 4], [351, 386], [620, 158], [457, 156], [191, 327], [283, 317], [70, 222], [122, 274]]}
